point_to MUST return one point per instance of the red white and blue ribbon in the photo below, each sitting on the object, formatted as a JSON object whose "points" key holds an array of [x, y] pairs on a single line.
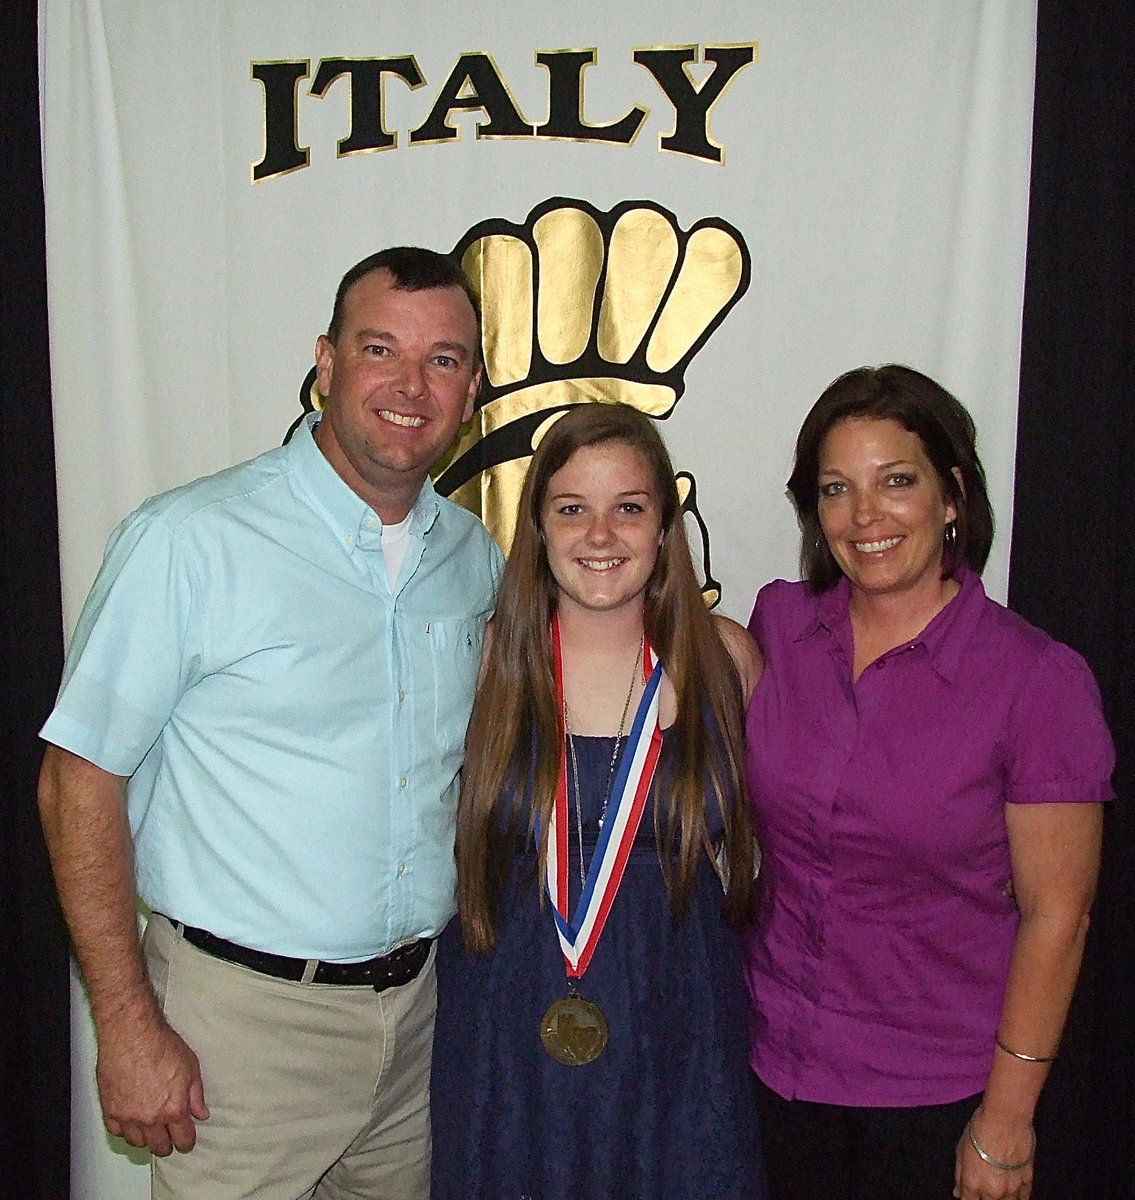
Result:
{"points": [[580, 935]]}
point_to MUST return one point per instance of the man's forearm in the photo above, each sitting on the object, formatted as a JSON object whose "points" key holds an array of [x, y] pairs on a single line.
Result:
{"points": [[83, 810]]}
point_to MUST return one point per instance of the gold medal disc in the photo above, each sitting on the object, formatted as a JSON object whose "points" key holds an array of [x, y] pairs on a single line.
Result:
{"points": [[574, 1031]]}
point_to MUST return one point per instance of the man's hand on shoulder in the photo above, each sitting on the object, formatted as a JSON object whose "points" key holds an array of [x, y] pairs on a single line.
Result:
{"points": [[150, 1086]]}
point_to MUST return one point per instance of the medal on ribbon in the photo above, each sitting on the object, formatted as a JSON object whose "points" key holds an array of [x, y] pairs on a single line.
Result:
{"points": [[574, 1030]]}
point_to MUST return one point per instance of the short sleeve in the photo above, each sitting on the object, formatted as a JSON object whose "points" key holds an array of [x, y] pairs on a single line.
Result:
{"points": [[778, 605], [131, 656], [1058, 747], [754, 625]]}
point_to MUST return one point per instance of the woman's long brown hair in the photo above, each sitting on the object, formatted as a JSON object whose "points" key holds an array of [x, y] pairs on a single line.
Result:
{"points": [[514, 746]]}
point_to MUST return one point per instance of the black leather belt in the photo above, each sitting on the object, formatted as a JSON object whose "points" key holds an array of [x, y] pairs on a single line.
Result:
{"points": [[399, 967]]}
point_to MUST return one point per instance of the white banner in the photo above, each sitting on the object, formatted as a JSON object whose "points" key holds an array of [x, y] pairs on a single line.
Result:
{"points": [[774, 193]]}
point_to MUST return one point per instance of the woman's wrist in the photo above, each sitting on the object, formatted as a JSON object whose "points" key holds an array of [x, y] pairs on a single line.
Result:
{"points": [[1006, 1145]]}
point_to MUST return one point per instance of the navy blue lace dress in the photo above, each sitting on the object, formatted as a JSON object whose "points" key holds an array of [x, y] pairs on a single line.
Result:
{"points": [[667, 1112]]}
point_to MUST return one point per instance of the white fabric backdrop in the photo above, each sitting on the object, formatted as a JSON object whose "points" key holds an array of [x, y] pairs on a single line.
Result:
{"points": [[876, 165]]}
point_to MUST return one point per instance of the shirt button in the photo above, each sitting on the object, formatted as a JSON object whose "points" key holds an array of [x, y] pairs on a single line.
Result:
{"points": [[371, 523], [348, 540], [401, 868], [401, 697], [402, 782]]}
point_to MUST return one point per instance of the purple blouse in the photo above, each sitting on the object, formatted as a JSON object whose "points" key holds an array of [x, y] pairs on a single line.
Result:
{"points": [[878, 960]]}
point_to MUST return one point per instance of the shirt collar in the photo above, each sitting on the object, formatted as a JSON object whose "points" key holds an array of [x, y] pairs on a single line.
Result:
{"points": [[951, 632], [831, 608], [346, 512], [947, 636]]}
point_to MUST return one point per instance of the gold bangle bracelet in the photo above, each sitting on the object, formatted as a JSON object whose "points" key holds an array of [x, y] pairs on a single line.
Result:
{"points": [[1023, 1057]]}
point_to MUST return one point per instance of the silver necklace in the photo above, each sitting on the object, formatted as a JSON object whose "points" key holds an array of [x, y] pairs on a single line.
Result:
{"points": [[610, 769]]}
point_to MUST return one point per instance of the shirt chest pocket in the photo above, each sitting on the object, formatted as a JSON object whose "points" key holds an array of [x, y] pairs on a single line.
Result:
{"points": [[454, 650]]}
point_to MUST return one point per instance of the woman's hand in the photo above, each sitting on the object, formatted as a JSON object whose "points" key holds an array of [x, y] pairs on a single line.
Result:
{"points": [[1006, 1170]]}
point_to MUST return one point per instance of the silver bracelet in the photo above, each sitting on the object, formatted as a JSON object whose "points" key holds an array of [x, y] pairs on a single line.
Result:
{"points": [[999, 1166], [1023, 1057]]}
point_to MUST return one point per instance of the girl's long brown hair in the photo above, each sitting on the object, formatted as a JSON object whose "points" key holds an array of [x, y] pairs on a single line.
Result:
{"points": [[514, 745]]}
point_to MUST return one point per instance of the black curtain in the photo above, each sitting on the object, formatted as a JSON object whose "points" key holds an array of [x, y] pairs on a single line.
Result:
{"points": [[1072, 572], [1073, 559], [35, 1080]]}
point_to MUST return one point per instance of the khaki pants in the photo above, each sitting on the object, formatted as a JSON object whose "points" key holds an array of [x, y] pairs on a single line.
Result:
{"points": [[314, 1092]]}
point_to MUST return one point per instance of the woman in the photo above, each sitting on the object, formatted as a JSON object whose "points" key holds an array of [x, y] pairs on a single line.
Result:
{"points": [[927, 771], [611, 1063]]}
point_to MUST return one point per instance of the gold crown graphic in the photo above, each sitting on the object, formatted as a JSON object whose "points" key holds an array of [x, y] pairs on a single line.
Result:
{"points": [[582, 306]]}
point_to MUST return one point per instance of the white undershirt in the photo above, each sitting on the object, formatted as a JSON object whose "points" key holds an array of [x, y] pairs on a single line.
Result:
{"points": [[395, 539]]}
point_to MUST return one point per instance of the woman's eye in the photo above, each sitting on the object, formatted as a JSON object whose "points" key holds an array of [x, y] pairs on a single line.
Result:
{"points": [[900, 480], [630, 506], [568, 510], [835, 488]]}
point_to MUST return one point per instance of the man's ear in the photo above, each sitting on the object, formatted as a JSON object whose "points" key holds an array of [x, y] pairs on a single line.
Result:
{"points": [[324, 361], [474, 388]]}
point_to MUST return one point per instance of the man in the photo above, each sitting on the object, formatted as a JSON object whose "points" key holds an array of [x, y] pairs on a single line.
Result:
{"points": [[259, 731]]}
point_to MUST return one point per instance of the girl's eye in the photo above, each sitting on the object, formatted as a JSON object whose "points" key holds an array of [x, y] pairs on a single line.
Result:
{"points": [[568, 510], [630, 506]]}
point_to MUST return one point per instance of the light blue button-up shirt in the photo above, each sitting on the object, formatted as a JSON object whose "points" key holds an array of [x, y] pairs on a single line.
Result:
{"points": [[292, 725]]}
